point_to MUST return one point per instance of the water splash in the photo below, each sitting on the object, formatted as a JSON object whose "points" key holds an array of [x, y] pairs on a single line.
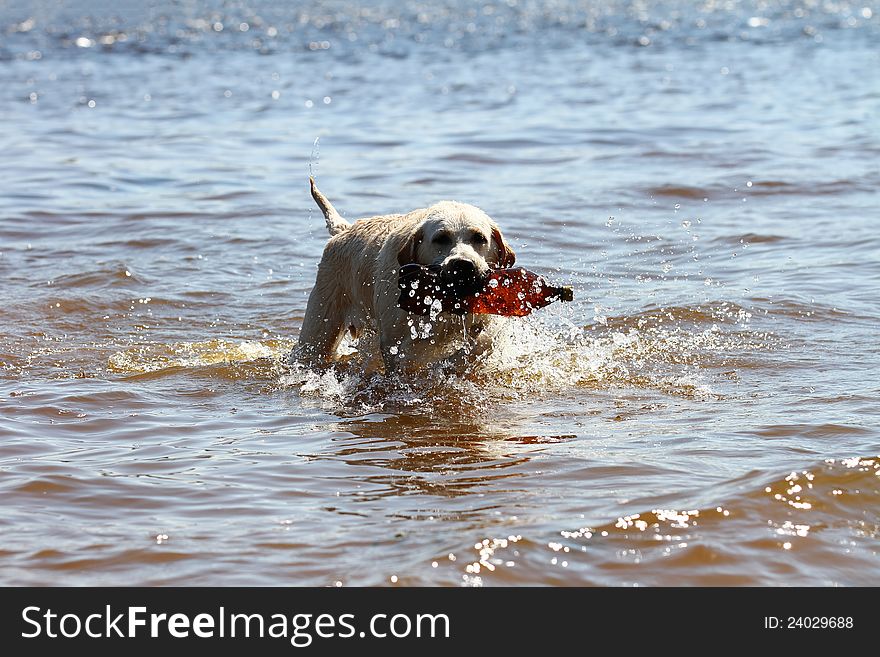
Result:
{"points": [[689, 352], [685, 352], [160, 357]]}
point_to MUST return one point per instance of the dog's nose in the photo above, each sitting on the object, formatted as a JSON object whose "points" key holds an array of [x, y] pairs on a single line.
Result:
{"points": [[460, 278], [460, 270]]}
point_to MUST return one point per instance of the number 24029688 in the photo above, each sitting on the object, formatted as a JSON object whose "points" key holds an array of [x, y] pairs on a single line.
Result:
{"points": [[809, 622]]}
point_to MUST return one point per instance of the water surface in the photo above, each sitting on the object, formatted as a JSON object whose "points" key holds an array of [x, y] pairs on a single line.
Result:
{"points": [[704, 175]]}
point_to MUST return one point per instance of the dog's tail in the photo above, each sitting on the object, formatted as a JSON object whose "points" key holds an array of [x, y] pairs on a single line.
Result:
{"points": [[335, 223]]}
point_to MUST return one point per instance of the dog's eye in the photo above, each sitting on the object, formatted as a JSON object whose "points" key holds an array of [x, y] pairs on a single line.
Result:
{"points": [[479, 238], [442, 238]]}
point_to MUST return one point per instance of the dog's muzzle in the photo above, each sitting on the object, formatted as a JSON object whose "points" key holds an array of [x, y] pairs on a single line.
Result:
{"points": [[460, 278]]}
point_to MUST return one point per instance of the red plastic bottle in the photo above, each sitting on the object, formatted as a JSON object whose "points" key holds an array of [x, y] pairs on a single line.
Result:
{"points": [[514, 292]]}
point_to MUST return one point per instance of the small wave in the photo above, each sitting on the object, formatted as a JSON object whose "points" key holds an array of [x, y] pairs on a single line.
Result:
{"points": [[812, 526], [806, 188], [801, 188], [188, 355], [108, 275], [141, 243], [707, 313], [679, 191], [474, 158], [227, 196], [814, 498], [815, 312], [749, 238]]}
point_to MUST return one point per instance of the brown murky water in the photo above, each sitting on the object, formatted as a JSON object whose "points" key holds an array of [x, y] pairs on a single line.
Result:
{"points": [[705, 412]]}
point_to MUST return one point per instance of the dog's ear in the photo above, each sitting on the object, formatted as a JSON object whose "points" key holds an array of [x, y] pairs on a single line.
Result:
{"points": [[410, 249], [506, 256]]}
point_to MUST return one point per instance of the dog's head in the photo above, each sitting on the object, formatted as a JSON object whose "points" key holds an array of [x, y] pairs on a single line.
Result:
{"points": [[461, 242]]}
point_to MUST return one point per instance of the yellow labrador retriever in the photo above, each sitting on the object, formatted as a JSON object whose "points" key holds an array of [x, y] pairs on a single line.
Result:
{"points": [[356, 290]]}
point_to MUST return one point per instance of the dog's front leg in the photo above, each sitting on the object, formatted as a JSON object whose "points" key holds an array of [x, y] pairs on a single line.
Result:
{"points": [[322, 326], [478, 343], [395, 341], [483, 341], [403, 346]]}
